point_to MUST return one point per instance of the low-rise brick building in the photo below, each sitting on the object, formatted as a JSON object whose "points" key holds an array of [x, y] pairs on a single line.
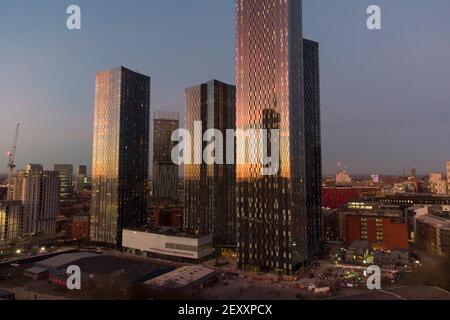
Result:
{"points": [[382, 225]]}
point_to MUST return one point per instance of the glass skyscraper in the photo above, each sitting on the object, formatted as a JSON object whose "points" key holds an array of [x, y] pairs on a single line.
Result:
{"points": [[210, 188], [271, 210], [66, 190], [120, 163], [11, 221], [165, 172], [313, 145]]}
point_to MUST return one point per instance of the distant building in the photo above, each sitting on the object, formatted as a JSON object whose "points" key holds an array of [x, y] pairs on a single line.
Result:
{"points": [[442, 187], [409, 186], [3, 192], [66, 192], [11, 221], [80, 227], [82, 171], [343, 179], [34, 166], [181, 192], [83, 183], [330, 225], [166, 217], [433, 235], [64, 226], [412, 214], [210, 189], [334, 198], [165, 171], [414, 173], [168, 243], [407, 200], [448, 171], [39, 192], [434, 181], [120, 162], [382, 225]]}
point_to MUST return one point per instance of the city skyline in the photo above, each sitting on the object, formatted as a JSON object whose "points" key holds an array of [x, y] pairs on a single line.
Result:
{"points": [[399, 96], [312, 166]]}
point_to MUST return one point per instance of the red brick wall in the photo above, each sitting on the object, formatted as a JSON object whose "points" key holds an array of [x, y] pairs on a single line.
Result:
{"points": [[334, 198], [395, 235], [352, 229]]}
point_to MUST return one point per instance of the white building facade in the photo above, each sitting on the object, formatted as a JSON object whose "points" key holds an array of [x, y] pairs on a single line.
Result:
{"points": [[178, 246]]}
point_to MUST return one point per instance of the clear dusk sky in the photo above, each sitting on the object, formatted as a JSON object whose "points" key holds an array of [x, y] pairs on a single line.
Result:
{"points": [[385, 94]]}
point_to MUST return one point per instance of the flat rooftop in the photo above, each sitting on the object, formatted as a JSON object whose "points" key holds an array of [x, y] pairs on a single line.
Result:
{"points": [[128, 270], [170, 232], [64, 259], [415, 196], [434, 221], [182, 277]]}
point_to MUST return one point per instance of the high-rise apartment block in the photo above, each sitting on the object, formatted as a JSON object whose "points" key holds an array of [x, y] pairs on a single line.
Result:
{"points": [[313, 145], [210, 188], [120, 163], [39, 192], [65, 171], [83, 183], [165, 171], [448, 171], [11, 221], [271, 210], [82, 171]]}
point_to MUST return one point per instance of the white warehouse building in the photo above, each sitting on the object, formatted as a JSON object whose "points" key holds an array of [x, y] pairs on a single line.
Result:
{"points": [[168, 244]]}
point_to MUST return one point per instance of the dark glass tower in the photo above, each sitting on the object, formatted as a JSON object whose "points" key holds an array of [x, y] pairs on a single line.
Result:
{"points": [[209, 189], [165, 172], [66, 190], [120, 162], [313, 145], [82, 171], [271, 210], [11, 222]]}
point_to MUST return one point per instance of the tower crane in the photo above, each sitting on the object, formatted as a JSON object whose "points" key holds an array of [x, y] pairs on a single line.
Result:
{"points": [[11, 159]]}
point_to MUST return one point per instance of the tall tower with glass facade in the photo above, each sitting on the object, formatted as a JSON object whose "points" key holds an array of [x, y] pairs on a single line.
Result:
{"points": [[210, 188], [11, 222], [66, 190], [313, 145], [165, 172], [120, 163], [271, 210]]}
